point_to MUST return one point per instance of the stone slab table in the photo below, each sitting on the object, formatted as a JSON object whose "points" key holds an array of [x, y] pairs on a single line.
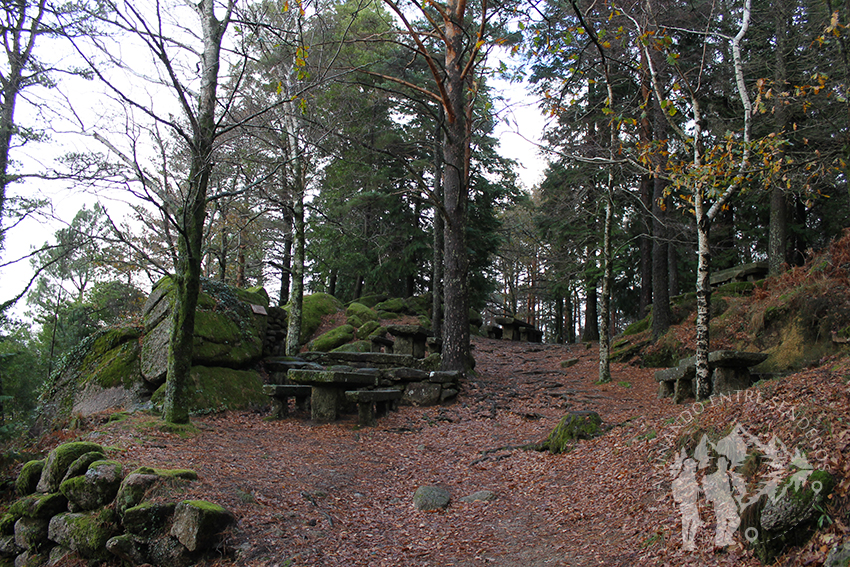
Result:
{"points": [[328, 389]]}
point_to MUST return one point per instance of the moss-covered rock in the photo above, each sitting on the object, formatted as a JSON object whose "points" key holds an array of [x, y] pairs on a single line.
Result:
{"points": [[362, 312], [59, 460], [81, 465], [28, 478], [227, 332], [198, 524], [39, 506], [85, 533], [32, 534], [315, 307], [101, 372], [148, 519], [334, 338], [96, 488], [141, 482], [395, 305], [354, 321], [572, 427], [214, 389], [638, 326], [356, 346], [372, 300], [366, 330], [253, 295]]}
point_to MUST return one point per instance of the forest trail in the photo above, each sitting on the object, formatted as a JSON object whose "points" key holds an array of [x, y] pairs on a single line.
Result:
{"points": [[333, 495]]}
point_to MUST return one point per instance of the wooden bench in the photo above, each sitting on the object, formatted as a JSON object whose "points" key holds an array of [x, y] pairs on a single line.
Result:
{"points": [[730, 371], [372, 404], [280, 394]]}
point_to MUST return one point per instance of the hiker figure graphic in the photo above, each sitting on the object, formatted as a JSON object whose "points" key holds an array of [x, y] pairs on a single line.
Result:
{"points": [[724, 487]]}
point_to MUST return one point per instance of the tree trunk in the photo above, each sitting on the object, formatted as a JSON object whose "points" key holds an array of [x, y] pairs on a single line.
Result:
{"points": [[439, 227], [702, 384], [778, 224], [296, 294], [645, 244], [286, 268], [605, 315], [191, 217], [591, 315], [673, 270], [456, 148], [661, 315]]}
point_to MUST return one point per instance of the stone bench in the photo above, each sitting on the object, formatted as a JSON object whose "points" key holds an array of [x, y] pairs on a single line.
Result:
{"points": [[372, 404], [280, 394], [730, 371], [382, 344], [743, 273]]}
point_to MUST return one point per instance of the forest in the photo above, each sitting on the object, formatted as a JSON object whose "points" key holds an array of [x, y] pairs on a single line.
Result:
{"points": [[350, 150], [349, 147]]}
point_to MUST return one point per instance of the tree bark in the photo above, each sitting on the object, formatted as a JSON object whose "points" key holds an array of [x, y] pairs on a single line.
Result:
{"points": [[187, 280], [661, 314], [591, 314], [439, 227], [605, 315], [456, 148], [778, 223], [296, 294]]}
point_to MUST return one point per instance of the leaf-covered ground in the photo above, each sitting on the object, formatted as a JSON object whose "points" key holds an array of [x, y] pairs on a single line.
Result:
{"points": [[333, 494]]}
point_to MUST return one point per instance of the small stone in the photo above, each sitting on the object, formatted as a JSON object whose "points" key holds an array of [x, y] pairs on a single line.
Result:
{"points": [[431, 498], [569, 362], [480, 496]]}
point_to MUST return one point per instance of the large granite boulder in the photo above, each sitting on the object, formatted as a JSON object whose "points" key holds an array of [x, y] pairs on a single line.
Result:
{"points": [[230, 327], [217, 388], [100, 373]]}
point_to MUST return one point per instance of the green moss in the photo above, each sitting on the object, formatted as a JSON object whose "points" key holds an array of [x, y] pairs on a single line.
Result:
{"points": [[734, 289], [361, 312], [394, 305], [205, 506], [366, 330], [214, 389], [332, 339], [28, 477], [253, 295], [354, 321], [313, 309], [572, 427], [639, 326], [41, 506], [88, 533], [357, 346]]}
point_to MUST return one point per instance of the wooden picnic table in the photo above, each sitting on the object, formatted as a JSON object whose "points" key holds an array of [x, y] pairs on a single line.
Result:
{"points": [[328, 389]]}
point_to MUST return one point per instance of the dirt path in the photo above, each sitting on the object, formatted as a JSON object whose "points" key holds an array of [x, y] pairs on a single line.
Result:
{"points": [[327, 495]]}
